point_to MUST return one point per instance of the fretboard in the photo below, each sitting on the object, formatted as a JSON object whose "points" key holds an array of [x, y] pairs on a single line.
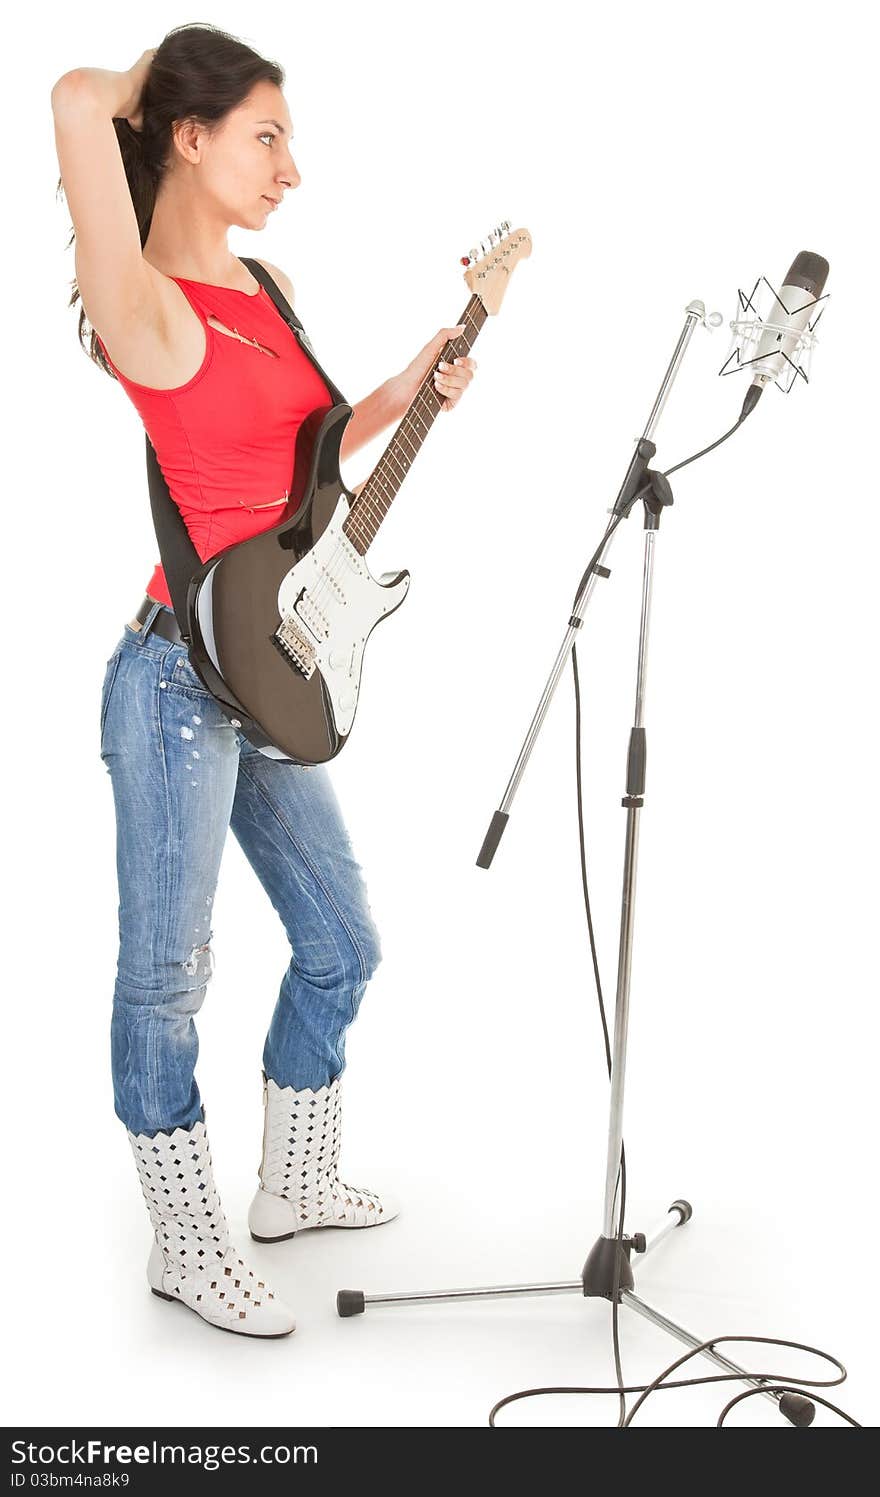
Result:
{"points": [[374, 501]]}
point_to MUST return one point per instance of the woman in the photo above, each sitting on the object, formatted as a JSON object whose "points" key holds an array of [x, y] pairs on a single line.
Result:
{"points": [[157, 163]]}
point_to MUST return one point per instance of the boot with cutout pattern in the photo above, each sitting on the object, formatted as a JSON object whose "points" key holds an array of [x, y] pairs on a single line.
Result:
{"points": [[299, 1180], [192, 1259]]}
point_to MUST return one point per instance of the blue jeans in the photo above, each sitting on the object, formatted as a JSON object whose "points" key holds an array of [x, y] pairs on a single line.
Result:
{"points": [[181, 773]]}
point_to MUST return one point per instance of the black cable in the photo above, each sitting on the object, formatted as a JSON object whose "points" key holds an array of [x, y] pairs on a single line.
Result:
{"points": [[661, 1384], [580, 810], [769, 1378], [771, 1382], [712, 445], [784, 1388]]}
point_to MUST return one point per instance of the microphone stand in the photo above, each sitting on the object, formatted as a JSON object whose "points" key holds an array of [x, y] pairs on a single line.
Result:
{"points": [[607, 1272]]}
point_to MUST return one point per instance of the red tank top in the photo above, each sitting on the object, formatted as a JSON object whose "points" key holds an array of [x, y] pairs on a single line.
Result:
{"points": [[225, 440]]}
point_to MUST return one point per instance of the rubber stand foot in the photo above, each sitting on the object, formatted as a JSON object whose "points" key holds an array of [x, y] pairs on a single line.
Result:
{"points": [[685, 1209], [798, 1411], [350, 1302]]}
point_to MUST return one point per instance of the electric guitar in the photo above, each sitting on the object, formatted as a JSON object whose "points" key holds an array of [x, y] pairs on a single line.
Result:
{"points": [[278, 623]]}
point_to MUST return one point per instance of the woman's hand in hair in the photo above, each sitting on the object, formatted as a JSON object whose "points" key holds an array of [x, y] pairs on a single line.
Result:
{"points": [[137, 75]]}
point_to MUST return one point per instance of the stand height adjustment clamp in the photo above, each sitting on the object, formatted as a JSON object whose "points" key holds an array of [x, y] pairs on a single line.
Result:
{"points": [[636, 764], [659, 493], [598, 570]]}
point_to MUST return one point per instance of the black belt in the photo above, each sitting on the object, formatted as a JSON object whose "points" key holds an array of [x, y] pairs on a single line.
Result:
{"points": [[164, 624]]}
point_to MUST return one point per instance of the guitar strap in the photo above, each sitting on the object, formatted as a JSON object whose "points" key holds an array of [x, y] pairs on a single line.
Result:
{"points": [[180, 560]]}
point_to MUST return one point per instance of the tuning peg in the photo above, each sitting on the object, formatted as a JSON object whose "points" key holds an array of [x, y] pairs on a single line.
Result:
{"points": [[495, 237]]}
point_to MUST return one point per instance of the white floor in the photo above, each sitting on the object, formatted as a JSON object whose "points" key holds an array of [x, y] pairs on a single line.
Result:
{"points": [[94, 1347]]}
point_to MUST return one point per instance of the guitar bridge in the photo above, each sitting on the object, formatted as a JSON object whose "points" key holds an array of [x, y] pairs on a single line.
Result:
{"points": [[295, 647]]}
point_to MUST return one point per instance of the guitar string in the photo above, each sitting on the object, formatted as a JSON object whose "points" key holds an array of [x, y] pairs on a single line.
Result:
{"points": [[408, 419], [387, 479], [356, 526], [361, 520], [374, 501], [338, 560]]}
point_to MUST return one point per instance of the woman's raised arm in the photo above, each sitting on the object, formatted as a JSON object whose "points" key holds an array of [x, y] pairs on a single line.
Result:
{"points": [[116, 284]]}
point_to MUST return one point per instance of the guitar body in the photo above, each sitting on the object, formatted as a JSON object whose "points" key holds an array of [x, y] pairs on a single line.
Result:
{"points": [[283, 619]]}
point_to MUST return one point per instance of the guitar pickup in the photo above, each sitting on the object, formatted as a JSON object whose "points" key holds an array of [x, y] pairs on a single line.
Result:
{"points": [[311, 616]]}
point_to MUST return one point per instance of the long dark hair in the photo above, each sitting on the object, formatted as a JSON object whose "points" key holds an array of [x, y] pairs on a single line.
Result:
{"points": [[198, 73]]}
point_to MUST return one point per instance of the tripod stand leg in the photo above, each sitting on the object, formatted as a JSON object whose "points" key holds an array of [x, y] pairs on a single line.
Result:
{"points": [[355, 1302], [796, 1409], [679, 1213]]}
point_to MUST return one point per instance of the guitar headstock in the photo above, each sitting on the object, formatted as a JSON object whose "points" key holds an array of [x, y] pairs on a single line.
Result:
{"points": [[490, 267]]}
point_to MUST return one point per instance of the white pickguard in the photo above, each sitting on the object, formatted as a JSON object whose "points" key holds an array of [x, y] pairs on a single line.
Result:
{"points": [[328, 604]]}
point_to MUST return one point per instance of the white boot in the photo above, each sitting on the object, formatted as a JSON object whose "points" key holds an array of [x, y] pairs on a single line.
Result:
{"points": [[192, 1259], [299, 1183]]}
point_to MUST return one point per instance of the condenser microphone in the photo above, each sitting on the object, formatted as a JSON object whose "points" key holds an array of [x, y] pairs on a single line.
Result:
{"points": [[794, 308]]}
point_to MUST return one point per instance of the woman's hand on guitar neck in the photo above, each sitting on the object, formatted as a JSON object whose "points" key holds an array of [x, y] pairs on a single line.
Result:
{"points": [[393, 399], [450, 380]]}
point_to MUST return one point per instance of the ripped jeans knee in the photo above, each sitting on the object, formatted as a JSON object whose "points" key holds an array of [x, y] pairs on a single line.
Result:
{"points": [[200, 962]]}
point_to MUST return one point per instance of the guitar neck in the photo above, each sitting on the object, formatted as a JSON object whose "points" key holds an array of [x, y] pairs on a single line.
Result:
{"points": [[376, 497]]}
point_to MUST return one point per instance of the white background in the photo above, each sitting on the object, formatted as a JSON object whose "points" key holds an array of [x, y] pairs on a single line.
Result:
{"points": [[656, 154]]}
